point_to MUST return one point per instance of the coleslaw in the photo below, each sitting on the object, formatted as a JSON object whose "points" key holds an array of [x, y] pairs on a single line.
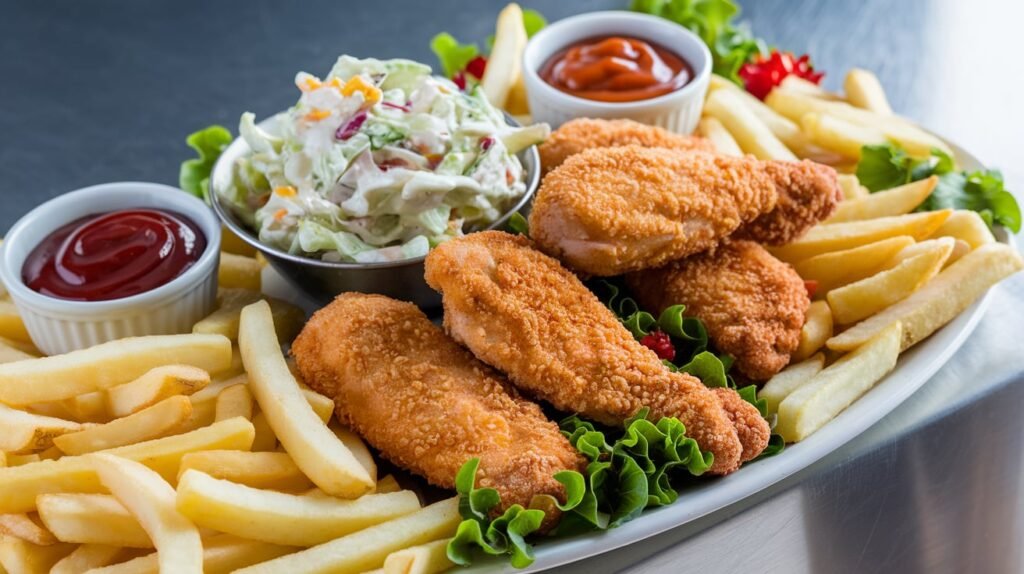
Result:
{"points": [[378, 162]]}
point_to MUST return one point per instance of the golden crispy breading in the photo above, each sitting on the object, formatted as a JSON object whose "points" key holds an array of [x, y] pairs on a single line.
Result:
{"points": [[751, 429], [581, 134], [425, 402], [522, 312], [808, 194], [752, 304], [608, 211]]}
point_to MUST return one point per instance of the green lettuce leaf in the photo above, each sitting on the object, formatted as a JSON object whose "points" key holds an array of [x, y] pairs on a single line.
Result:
{"points": [[452, 55], [209, 143], [518, 224], [886, 166]]}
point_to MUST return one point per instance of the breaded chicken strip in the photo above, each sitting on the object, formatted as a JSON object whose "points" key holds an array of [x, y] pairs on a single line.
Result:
{"points": [[752, 304], [809, 193], [581, 134], [425, 402], [608, 211], [522, 312]]}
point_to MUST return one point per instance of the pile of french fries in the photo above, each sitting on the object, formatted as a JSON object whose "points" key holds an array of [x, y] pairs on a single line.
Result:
{"points": [[199, 452], [885, 277]]}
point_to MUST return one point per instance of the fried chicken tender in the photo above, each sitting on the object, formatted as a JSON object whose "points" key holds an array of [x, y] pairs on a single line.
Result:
{"points": [[609, 211], [809, 193], [752, 304], [581, 134], [425, 402], [523, 313]]}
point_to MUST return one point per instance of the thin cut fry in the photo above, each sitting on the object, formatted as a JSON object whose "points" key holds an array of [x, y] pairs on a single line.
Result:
{"points": [[506, 56], [239, 272], [86, 557], [839, 236], [234, 401], [750, 132], [388, 484], [151, 500], [266, 470], [149, 423], [852, 189], [785, 129], [22, 526], [24, 432], [88, 407], [838, 135], [720, 137], [790, 379], [91, 519], [865, 91], [18, 556], [816, 330], [428, 558], [895, 201], [11, 325], [107, 365], [154, 386], [968, 226], [221, 554], [838, 268]]}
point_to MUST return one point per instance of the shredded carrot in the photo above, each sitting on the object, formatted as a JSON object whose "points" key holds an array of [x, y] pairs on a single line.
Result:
{"points": [[280, 213], [310, 84], [285, 191], [371, 94], [316, 115]]}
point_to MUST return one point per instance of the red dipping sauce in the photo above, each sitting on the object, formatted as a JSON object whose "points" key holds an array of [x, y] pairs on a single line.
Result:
{"points": [[113, 255], [616, 69]]}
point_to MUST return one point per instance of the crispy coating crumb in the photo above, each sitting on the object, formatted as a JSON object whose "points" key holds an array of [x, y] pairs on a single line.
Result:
{"points": [[581, 134], [751, 427], [522, 312], [425, 402], [752, 304], [808, 194], [608, 211]]}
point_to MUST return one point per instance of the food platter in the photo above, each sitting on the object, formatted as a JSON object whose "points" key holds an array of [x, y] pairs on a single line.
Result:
{"points": [[912, 373]]}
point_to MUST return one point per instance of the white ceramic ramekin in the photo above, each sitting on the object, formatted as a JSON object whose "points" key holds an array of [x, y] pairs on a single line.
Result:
{"points": [[677, 111], [59, 326]]}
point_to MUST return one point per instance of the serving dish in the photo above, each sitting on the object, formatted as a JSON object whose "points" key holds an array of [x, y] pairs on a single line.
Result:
{"points": [[320, 280], [59, 326]]}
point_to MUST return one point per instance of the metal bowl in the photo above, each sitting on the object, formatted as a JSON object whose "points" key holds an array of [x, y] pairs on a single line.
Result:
{"points": [[324, 280]]}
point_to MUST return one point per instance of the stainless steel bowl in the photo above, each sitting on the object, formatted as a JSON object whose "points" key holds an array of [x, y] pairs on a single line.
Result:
{"points": [[323, 280]]}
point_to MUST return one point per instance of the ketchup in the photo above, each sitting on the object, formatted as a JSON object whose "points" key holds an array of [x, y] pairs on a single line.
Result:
{"points": [[616, 69], [113, 255]]}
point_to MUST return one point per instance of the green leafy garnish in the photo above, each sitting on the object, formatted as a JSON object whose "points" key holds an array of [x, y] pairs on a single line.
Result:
{"points": [[478, 532], [209, 143], [886, 166], [518, 224], [731, 46], [452, 55]]}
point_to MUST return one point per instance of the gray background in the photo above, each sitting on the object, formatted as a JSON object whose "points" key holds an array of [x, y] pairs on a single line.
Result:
{"points": [[97, 91]]}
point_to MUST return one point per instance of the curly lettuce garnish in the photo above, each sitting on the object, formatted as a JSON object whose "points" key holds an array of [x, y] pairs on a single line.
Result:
{"points": [[209, 143]]}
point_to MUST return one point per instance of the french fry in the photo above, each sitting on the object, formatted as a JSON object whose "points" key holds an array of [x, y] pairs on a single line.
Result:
{"points": [[234, 369], [18, 556], [20, 485], [785, 129], [234, 244], [321, 405], [13, 460], [256, 514], [865, 91], [151, 500], [265, 439], [750, 133], [840, 136], [940, 300], [320, 455], [838, 268], [429, 558], [107, 365], [816, 330], [154, 386], [852, 189], [265, 470], [25, 432], [27, 347], [234, 401], [239, 272], [840, 236], [790, 379], [357, 447], [927, 246], [11, 325], [368, 548], [91, 519], [506, 56], [917, 142], [859, 300], [288, 319], [966, 225], [720, 137], [896, 201], [22, 526], [221, 554], [86, 557], [808, 408], [10, 354], [388, 484], [149, 423], [798, 84], [88, 407], [960, 248]]}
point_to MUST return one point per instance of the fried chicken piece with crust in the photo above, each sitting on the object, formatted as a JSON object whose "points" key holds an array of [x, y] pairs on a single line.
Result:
{"points": [[425, 402], [752, 304], [809, 193], [582, 134], [523, 313], [609, 211]]}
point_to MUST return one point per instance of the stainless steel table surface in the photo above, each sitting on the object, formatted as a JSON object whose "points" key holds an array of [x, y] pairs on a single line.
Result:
{"points": [[105, 90]]}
